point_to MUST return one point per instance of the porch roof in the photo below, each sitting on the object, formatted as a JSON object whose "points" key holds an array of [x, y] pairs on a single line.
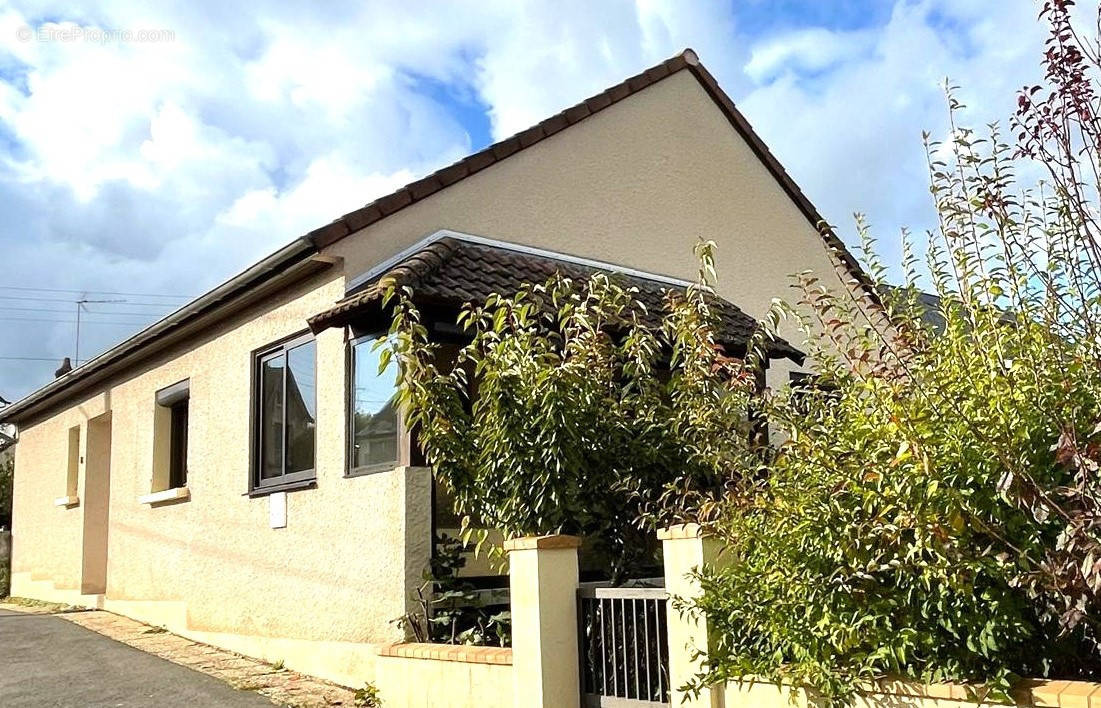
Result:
{"points": [[453, 271]]}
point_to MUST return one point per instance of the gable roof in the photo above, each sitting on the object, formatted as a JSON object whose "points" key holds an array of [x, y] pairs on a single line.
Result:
{"points": [[687, 60], [453, 270], [303, 249]]}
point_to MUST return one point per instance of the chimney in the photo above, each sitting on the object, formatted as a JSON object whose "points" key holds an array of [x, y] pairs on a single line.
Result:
{"points": [[66, 367]]}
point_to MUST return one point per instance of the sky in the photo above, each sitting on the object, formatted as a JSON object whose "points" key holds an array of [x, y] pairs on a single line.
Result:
{"points": [[149, 153]]}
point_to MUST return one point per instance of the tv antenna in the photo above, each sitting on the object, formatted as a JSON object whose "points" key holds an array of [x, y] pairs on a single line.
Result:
{"points": [[81, 307]]}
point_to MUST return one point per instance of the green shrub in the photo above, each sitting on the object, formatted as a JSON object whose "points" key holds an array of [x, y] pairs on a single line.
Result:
{"points": [[935, 512], [586, 411], [367, 697]]}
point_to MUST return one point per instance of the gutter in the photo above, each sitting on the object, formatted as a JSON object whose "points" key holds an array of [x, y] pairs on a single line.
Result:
{"points": [[296, 258]]}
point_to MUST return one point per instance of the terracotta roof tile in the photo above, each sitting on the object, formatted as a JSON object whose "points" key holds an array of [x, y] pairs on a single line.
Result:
{"points": [[554, 124], [530, 136], [506, 147], [450, 271], [393, 202], [598, 102], [331, 232], [574, 114], [358, 219], [453, 173], [422, 188], [480, 160], [657, 73], [618, 92]]}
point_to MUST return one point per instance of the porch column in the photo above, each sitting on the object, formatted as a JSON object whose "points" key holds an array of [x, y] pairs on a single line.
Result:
{"points": [[685, 549], [543, 586]]}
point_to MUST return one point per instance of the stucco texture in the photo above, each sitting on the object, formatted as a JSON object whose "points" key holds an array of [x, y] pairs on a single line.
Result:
{"points": [[426, 683], [636, 184], [338, 570]]}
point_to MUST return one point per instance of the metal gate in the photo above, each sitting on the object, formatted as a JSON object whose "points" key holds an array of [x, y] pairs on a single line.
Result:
{"points": [[624, 646]]}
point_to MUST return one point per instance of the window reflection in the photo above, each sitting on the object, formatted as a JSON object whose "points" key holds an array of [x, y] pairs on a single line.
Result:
{"points": [[374, 429]]}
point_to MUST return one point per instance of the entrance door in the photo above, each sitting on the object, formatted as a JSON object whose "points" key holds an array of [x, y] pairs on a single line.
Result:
{"points": [[96, 503]]}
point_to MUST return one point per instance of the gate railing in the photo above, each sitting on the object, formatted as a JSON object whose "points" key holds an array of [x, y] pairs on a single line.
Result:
{"points": [[624, 646]]}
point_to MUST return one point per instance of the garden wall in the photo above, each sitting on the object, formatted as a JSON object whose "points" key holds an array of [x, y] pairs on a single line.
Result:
{"points": [[905, 694], [426, 675]]}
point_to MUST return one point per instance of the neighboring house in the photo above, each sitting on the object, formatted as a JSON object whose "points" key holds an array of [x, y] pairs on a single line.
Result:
{"points": [[237, 472]]}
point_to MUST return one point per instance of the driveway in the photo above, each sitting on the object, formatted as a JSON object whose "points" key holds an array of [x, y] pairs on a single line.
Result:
{"points": [[47, 661]]}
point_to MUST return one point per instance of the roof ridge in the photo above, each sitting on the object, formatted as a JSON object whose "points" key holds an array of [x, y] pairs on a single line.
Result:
{"points": [[433, 182], [442, 178], [422, 262], [686, 59]]}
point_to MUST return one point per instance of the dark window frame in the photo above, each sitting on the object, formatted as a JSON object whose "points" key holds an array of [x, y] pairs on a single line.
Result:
{"points": [[176, 400], [177, 465], [350, 470], [303, 479]]}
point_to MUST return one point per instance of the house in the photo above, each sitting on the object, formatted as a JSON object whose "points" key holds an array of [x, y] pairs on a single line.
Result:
{"points": [[236, 472]]}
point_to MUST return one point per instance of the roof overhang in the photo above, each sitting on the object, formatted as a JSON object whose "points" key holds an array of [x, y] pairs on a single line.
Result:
{"points": [[292, 263], [450, 269], [182, 323]]}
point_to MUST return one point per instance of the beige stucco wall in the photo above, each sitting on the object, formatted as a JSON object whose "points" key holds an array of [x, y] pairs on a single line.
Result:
{"points": [[340, 571], [900, 694], [428, 683], [636, 184]]}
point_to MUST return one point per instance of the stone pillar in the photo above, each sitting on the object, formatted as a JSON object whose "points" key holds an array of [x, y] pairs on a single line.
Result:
{"points": [[685, 548], [543, 586]]}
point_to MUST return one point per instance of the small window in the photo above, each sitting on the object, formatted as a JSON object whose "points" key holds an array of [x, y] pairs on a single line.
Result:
{"points": [[177, 470], [72, 470], [285, 414], [374, 424], [170, 429]]}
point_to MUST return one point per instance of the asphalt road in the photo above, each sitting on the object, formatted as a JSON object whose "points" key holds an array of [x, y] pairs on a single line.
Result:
{"points": [[47, 661]]}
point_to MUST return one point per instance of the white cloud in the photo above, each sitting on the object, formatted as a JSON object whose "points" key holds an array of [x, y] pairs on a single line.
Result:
{"points": [[168, 166], [851, 135], [808, 50]]}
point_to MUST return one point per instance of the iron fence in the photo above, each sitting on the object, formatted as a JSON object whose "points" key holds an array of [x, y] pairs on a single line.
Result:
{"points": [[624, 646]]}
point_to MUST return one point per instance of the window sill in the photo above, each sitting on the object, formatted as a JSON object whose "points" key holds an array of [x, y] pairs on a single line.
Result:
{"points": [[371, 469], [67, 502], [288, 487], [167, 495]]}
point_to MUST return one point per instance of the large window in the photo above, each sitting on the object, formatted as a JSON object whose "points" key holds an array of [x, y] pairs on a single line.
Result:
{"points": [[286, 414], [375, 430]]}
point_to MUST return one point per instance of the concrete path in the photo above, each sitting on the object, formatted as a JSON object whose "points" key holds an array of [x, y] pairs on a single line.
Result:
{"points": [[47, 661], [95, 658]]}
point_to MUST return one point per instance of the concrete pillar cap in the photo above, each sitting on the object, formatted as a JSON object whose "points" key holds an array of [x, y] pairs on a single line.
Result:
{"points": [[541, 543], [680, 531]]}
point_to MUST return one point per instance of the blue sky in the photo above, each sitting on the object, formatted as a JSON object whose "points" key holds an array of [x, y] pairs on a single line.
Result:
{"points": [[163, 167]]}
